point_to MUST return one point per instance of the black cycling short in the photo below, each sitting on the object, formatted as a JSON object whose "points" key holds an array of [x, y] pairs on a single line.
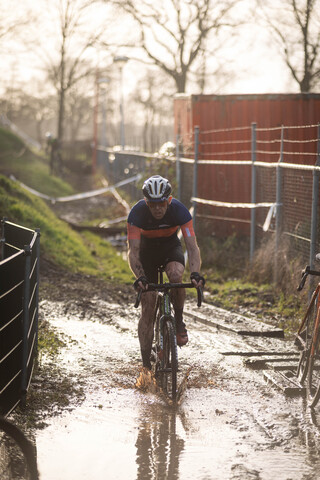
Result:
{"points": [[155, 253]]}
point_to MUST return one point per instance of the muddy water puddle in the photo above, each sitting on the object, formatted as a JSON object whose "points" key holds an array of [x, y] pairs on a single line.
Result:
{"points": [[230, 423]]}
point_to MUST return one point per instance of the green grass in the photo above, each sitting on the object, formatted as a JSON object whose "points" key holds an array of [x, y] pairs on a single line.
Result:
{"points": [[230, 284], [83, 253], [29, 168]]}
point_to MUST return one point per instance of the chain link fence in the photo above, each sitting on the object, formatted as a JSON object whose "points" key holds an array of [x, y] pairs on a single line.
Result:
{"points": [[253, 182]]}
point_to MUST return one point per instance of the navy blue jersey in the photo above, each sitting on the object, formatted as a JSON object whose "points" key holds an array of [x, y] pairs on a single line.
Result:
{"points": [[141, 222]]}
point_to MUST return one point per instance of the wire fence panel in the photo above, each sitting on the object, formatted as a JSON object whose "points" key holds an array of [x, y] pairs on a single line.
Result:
{"points": [[11, 323], [19, 274], [247, 181]]}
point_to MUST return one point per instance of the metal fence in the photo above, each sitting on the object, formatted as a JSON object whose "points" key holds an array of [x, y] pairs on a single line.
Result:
{"points": [[19, 282], [266, 183], [248, 181]]}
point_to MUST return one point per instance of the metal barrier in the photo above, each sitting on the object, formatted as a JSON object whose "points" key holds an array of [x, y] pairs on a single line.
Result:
{"points": [[19, 282]]}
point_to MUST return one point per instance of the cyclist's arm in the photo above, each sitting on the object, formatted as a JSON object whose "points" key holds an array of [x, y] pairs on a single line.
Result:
{"points": [[135, 263], [193, 254], [194, 261], [134, 258]]}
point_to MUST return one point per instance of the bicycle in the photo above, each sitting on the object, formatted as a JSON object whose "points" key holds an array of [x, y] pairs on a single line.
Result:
{"points": [[12, 432], [164, 350], [308, 340]]}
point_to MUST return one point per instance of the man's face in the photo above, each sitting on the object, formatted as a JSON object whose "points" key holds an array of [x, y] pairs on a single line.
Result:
{"points": [[158, 209]]}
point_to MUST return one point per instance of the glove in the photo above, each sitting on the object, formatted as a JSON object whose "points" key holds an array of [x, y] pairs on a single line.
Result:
{"points": [[141, 279], [197, 277]]}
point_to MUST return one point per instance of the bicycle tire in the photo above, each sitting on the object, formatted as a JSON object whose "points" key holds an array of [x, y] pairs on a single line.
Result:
{"points": [[156, 338], [25, 445], [303, 365], [313, 384], [169, 362]]}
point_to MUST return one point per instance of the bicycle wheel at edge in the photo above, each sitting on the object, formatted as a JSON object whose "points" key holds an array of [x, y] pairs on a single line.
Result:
{"points": [[169, 364], [313, 383], [303, 365]]}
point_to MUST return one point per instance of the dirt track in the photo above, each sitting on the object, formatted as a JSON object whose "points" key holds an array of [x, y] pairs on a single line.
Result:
{"points": [[230, 424], [92, 422]]}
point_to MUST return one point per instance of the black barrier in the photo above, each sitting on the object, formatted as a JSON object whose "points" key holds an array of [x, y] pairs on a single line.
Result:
{"points": [[19, 282]]}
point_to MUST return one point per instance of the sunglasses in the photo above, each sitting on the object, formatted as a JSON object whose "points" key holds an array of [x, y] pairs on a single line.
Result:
{"points": [[157, 204]]}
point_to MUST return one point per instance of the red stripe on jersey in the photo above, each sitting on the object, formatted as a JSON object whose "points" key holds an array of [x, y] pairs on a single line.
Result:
{"points": [[163, 232], [133, 232]]}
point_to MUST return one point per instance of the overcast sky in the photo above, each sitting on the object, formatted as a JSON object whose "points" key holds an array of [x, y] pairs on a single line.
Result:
{"points": [[259, 69]]}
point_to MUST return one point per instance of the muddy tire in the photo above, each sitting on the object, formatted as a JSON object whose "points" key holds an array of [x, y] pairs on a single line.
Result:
{"points": [[306, 339], [169, 363], [313, 384]]}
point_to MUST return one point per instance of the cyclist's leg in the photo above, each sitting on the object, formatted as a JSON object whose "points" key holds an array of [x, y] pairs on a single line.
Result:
{"points": [[174, 267], [145, 327], [175, 271], [148, 300]]}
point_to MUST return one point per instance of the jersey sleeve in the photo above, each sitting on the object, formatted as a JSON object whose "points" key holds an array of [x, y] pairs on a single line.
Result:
{"points": [[187, 229], [133, 232]]}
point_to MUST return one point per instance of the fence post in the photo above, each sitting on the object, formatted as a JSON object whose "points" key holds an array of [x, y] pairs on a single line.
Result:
{"points": [[25, 326], [2, 239], [253, 190], [314, 211], [178, 166], [278, 203], [195, 174], [37, 288]]}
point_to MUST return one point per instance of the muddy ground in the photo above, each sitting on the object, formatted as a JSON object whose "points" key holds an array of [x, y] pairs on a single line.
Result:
{"points": [[90, 419]]}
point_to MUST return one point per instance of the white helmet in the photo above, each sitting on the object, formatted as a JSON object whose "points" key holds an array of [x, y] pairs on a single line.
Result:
{"points": [[156, 189]]}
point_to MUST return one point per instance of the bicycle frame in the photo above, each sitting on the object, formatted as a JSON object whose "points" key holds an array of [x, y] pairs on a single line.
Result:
{"points": [[165, 343], [308, 336]]}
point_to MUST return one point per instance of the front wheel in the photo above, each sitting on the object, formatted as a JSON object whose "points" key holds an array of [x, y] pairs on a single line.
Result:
{"points": [[313, 383], [169, 363], [306, 339]]}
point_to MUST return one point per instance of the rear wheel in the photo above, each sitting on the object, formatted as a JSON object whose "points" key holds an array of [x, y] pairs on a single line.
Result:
{"points": [[169, 363], [305, 340], [313, 384]]}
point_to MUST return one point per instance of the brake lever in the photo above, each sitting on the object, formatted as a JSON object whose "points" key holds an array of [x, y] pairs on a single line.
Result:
{"points": [[200, 296], [138, 298]]}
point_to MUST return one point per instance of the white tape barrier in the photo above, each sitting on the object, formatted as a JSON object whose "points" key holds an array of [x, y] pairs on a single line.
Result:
{"points": [[271, 212], [231, 205], [78, 196]]}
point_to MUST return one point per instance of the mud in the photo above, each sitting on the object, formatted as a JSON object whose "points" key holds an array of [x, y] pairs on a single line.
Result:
{"points": [[229, 424], [90, 417]]}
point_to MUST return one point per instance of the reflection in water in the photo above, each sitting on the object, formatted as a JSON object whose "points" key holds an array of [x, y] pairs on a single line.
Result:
{"points": [[310, 436], [158, 447]]}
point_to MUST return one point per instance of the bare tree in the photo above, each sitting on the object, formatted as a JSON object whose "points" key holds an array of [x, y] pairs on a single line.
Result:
{"points": [[295, 24], [173, 33], [13, 22], [73, 41], [157, 108]]}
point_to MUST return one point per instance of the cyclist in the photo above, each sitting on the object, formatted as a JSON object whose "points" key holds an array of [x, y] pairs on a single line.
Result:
{"points": [[152, 227]]}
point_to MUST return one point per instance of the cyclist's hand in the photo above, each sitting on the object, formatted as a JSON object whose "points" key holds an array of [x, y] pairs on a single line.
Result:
{"points": [[197, 279], [141, 283]]}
